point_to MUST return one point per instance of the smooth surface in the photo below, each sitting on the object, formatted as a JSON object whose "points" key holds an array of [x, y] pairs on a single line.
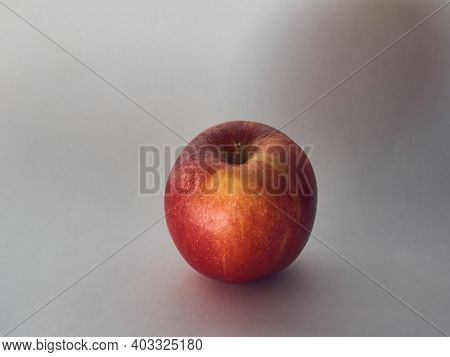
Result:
{"points": [[69, 162]]}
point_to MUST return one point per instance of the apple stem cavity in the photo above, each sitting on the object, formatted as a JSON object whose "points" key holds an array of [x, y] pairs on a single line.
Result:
{"points": [[239, 155]]}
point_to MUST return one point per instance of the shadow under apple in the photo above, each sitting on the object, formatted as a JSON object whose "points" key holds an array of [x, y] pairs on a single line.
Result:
{"points": [[265, 307]]}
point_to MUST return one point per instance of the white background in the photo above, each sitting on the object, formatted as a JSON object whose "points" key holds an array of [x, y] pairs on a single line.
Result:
{"points": [[71, 76], [250, 345]]}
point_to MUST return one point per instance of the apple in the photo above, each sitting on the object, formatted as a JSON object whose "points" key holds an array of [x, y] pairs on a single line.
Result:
{"points": [[240, 201]]}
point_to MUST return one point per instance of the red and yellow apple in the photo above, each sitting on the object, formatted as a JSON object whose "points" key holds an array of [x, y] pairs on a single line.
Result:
{"points": [[240, 201]]}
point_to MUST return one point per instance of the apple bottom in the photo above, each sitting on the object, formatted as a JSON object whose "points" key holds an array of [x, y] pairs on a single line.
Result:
{"points": [[238, 237]]}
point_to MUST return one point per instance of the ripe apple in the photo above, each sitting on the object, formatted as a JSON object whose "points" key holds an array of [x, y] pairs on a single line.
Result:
{"points": [[240, 201]]}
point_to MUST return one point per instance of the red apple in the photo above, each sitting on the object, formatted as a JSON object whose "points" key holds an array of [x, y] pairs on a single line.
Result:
{"points": [[240, 201]]}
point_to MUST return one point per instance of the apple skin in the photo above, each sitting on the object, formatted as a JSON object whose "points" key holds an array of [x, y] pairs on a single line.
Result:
{"points": [[221, 227]]}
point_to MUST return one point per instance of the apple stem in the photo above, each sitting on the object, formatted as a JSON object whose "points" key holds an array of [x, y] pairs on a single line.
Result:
{"points": [[237, 145]]}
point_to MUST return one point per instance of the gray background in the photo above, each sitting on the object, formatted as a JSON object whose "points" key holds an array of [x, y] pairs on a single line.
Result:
{"points": [[78, 83]]}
